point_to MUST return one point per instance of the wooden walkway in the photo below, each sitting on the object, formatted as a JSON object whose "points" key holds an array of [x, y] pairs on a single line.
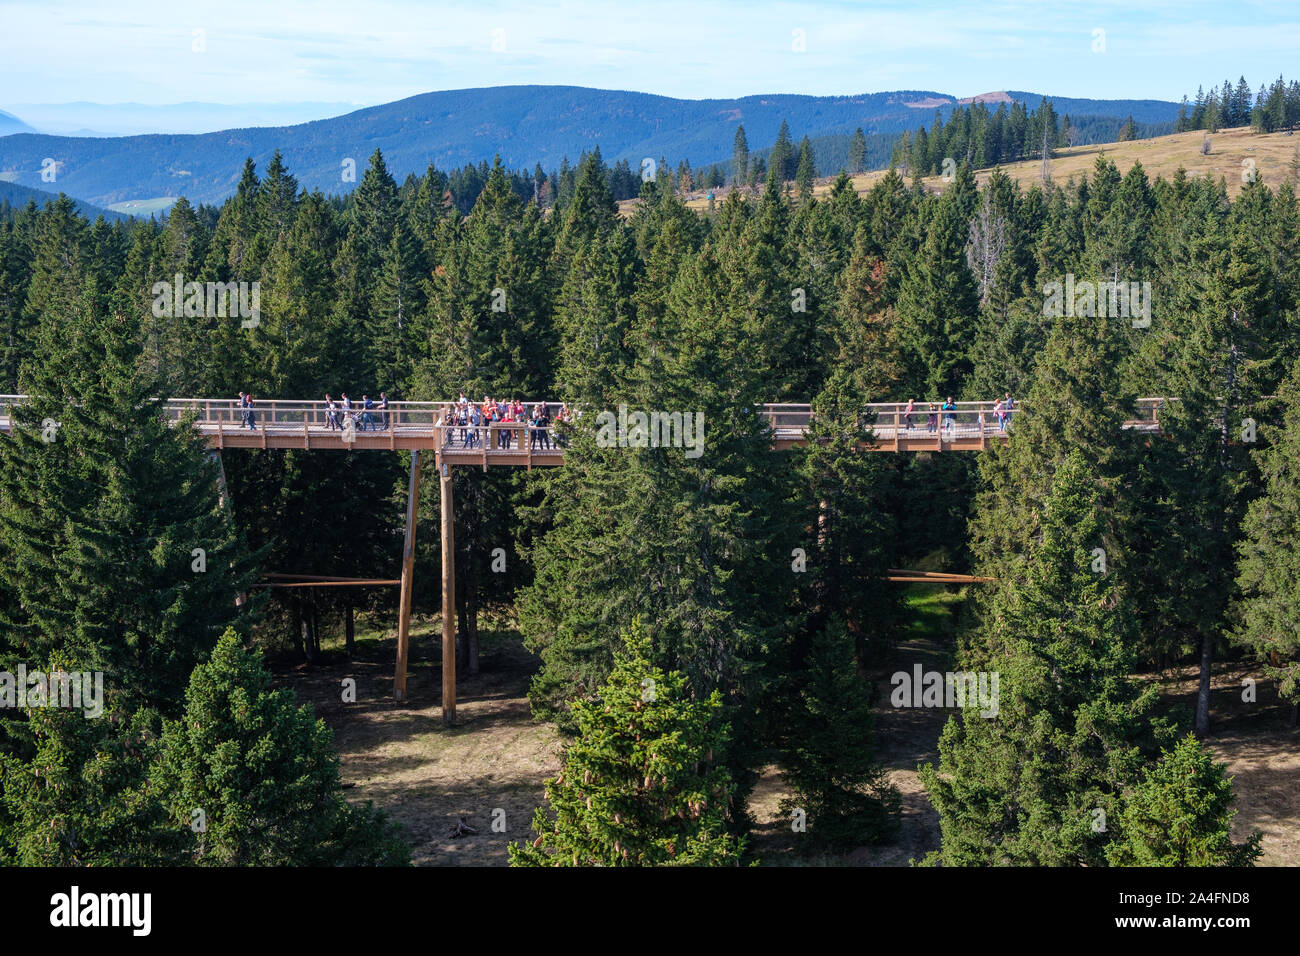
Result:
{"points": [[973, 426], [418, 427]]}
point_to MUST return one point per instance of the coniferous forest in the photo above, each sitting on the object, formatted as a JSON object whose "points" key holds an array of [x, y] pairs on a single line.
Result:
{"points": [[715, 654], [752, 580]]}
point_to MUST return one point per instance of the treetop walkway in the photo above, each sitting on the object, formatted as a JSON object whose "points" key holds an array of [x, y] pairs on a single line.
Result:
{"points": [[422, 427], [972, 426]]}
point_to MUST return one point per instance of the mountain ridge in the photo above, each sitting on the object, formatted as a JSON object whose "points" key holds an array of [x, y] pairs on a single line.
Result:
{"points": [[525, 125]]}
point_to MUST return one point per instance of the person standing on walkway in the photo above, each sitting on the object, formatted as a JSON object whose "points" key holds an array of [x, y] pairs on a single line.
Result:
{"points": [[949, 419]]}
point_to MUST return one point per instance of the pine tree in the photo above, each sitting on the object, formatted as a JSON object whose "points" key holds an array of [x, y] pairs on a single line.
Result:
{"points": [[84, 798], [781, 162], [643, 782], [740, 158], [829, 759], [1021, 782], [15, 325], [857, 152], [264, 773], [807, 171], [1268, 570], [938, 302], [113, 540], [1180, 814]]}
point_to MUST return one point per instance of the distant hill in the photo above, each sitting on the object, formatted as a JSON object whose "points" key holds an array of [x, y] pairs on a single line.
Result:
{"points": [[526, 125], [1274, 158], [17, 196], [12, 124]]}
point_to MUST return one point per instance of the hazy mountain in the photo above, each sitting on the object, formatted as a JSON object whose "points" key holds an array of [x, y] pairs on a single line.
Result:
{"points": [[524, 124], [12, 124], [18, 196], [131, 119]]}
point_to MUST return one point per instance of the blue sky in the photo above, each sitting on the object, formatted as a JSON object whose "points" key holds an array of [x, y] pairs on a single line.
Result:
{"points": [[363, 53]]}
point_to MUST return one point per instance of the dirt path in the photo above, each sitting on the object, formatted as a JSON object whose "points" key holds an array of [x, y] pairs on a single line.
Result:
{"points": [[426, 776], [1261, 751], [497, 757]]}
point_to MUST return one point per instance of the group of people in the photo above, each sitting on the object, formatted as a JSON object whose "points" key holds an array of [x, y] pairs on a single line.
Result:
{"points": [[368, 416], [1002, 410], [474, 421]]}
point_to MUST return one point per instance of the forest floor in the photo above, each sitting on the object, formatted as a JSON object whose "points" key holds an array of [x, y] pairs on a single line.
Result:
{"points": [[425, 776], [497, 758]]}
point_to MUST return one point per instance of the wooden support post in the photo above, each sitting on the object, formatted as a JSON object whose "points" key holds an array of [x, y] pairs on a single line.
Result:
{"points": [[224, 503], [897, 428], [408, 572], [448, 598]]}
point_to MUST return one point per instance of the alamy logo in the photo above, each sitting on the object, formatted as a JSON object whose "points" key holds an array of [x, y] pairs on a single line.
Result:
{"points": [[1101, 299], [134, 910], [937, 689], [77, 690], [655, 430], [211, 300]]}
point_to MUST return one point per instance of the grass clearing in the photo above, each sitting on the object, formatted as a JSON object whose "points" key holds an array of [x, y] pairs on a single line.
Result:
{"points": [[427, 776], [1276, 157]]}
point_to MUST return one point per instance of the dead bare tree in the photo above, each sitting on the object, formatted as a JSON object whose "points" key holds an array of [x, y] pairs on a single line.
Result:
{"points": [[987, 242]]}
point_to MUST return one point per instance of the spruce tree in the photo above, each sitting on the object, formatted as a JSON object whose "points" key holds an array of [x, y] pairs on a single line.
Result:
{"points": [[264, 774], [938, 303], [857, 152], [829, 758], [1180, 814], [643, 783], [806, 171], [84, 797], [740, 158], [781, 162], [114, 543], [1268, 569], [1026, 780]]}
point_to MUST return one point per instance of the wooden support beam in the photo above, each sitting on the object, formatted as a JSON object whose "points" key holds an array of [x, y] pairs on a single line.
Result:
{"points": [[408, 573], [448, 597], [377, 582], [223, 502]]}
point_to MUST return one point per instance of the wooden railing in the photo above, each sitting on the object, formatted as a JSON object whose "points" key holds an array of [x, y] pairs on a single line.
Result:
{"points": [[892, 422]]}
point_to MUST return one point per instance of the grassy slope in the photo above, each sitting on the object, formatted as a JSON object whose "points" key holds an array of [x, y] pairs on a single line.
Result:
{"points": [[1273, 153]]}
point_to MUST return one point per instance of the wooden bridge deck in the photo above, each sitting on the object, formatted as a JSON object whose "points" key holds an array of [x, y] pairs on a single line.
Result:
{"points": [[973, 426]]}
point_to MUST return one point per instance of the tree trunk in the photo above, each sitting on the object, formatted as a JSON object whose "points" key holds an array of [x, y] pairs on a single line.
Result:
{"points": [[308, 632], [315, 627], [298, 626], [471, 635], [1202, 726], [349, 630], [462, 635]]}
